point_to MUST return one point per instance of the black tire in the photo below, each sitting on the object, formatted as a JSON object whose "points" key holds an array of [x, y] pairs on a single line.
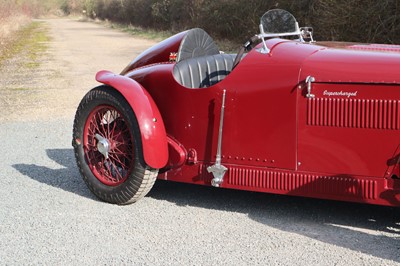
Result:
{"points": [[121, 177]]}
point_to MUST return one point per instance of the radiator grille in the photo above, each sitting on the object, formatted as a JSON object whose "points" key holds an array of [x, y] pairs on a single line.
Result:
{"points": [[302, 183], [354, 113]]}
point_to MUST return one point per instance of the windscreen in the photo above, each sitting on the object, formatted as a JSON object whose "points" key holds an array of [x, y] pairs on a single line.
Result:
{"points": [[278, 21]]}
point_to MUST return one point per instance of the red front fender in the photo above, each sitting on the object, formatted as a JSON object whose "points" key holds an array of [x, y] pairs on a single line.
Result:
{"points": [[152, 129]]}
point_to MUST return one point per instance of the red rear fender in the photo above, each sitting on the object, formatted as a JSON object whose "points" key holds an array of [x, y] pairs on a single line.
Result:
{"points": [[152, 129]]}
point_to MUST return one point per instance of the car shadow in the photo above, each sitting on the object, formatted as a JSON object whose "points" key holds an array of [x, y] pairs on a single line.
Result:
{"points": [[370, 229], [66, 178]]}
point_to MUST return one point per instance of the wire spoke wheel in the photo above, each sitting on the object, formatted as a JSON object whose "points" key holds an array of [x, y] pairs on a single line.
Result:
{"points": [[108, 148], [108, 145]]}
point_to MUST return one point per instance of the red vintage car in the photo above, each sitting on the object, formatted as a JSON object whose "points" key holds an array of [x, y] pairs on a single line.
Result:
{"points": [[288, 116]]}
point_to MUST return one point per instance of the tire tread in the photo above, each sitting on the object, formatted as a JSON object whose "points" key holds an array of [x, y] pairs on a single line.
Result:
{"points": [[142, 178]]}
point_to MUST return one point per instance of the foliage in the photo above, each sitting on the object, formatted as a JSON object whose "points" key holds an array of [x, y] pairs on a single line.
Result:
{"points": [[30, 8], [65, 7], [357, 20]]}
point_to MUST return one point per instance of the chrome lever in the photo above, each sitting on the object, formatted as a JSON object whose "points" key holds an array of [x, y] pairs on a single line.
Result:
{"points": [[217, 169], [309, 80]]}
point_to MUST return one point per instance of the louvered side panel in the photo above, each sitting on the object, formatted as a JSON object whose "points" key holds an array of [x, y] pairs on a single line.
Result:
{"points": [[372, 114], [302, 183]]}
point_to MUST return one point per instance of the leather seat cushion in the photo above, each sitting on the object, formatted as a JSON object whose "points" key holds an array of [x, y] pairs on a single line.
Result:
{"points": [[202, 72]]}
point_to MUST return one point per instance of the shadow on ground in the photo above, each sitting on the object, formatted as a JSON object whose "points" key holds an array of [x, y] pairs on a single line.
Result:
{"points": [[66, 178], [373, 230]]}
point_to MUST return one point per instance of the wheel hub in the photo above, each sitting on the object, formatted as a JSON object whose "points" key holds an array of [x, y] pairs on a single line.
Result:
{"points": [[108, 145], [103, 145]]}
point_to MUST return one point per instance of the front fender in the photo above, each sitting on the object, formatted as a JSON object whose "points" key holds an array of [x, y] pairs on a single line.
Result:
{"points": [[152, 129]]}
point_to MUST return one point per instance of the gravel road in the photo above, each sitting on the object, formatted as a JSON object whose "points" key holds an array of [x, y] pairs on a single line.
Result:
{"points": [[48, 216]]}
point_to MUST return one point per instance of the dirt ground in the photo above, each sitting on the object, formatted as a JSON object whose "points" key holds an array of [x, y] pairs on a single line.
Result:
{"points": [[77, 50]]}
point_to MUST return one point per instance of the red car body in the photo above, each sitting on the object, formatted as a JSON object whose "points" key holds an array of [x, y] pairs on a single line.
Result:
{"points": [[340, 144]]}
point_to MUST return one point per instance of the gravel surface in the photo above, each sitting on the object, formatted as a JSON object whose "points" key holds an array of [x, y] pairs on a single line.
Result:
{"points": [[48, 216]]}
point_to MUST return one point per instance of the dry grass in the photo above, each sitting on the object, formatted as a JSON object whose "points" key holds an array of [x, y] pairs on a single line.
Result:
{"points": [[12, 18], [15, 15], [10, 25]]}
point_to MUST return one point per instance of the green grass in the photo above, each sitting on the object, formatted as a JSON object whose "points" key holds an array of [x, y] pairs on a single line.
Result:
{"points": [[29, 42]]}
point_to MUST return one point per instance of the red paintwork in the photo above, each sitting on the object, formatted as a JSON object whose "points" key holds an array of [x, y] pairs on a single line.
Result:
{"points": [[344, 144], [352, 66], [152, 129], [177, 154], [376, 47], [157, 53]]}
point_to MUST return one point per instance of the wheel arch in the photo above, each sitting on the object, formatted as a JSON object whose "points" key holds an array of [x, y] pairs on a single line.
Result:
{"points": [[151, 124]]}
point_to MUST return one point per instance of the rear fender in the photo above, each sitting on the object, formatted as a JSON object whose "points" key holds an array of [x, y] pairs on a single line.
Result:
{"points": [[152, 129]]}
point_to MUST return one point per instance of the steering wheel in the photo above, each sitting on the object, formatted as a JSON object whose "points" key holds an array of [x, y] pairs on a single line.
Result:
{"points": [[247, 46]]}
